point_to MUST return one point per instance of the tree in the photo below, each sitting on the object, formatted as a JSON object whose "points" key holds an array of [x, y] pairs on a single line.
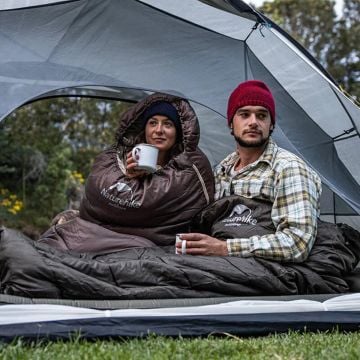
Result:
{"points": [[49, 147], [344, 56], [333, 42]]}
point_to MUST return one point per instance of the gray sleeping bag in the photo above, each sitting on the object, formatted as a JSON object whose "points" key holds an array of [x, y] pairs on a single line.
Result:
{"points": [[29, 268]]}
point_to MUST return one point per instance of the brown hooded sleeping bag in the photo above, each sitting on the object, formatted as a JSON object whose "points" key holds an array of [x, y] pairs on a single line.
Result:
{"points": [[143, 211]]}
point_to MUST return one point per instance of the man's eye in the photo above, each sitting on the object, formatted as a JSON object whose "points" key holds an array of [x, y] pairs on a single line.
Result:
{"points": [[262, 116]]}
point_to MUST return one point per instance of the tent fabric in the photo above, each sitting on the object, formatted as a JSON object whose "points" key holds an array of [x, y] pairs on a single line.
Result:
{"points": [[203, 54], [184, 326], [243, 317]]}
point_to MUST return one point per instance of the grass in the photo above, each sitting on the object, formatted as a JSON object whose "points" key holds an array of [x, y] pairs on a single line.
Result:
{"points": [[293, 345]]}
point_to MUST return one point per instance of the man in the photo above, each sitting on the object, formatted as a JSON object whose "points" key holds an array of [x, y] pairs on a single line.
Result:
{"points": [[259, 169]]}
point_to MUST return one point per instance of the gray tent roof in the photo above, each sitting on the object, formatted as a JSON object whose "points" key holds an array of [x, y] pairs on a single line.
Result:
{"points": [[127, 48]]}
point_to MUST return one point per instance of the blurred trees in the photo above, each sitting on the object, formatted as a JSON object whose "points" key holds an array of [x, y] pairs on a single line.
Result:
{"points": [[47, 151], [333, 41], [344, 58]]}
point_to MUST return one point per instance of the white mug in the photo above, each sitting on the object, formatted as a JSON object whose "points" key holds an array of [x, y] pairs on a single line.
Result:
{"points": [[183, 245], [146, 156]]}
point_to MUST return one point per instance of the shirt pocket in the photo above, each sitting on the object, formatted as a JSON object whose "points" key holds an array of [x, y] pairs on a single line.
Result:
{"points": [[253, 188]]}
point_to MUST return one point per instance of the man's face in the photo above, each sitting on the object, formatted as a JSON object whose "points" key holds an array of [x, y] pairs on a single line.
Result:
{"points": [[251, 126]]}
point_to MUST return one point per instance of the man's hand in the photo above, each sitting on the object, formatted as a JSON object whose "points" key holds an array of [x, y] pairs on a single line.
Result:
{"points": [[131, 171], [201, 244]]}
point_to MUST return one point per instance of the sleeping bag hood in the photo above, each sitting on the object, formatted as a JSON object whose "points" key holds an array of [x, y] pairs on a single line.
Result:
{"points": [[155, 206]]}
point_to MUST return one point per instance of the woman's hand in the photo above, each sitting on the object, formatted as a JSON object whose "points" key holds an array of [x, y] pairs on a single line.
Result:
{"points": [[131, 171], [64, 216]]}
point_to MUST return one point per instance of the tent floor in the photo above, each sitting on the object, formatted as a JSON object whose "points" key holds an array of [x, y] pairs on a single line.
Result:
{"points": [[53, 319]]}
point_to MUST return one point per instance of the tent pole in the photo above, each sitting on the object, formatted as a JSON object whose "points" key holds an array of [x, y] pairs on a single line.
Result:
{"points": [[245, 62], [246, 48]]}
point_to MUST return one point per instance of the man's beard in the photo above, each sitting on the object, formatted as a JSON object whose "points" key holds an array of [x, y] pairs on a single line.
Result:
{"points": [[252, 143]]}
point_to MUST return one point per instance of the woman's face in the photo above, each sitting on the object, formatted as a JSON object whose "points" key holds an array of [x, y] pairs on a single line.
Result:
{"points": [[160, 131]]}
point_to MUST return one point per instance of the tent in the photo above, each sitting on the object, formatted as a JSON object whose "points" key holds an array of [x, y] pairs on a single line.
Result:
{"points": [[200, 50]]}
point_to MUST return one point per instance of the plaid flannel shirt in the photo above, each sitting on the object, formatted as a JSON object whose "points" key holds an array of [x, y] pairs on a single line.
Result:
{"points": [[294, 189]]}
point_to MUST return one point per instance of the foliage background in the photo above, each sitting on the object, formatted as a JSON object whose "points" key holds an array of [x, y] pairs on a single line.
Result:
{"points": [[47, 147]]}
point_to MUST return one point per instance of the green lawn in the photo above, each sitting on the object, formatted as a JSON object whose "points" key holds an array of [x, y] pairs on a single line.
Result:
{"points": [[286, 346]]}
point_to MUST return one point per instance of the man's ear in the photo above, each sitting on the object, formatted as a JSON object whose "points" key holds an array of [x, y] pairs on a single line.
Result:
{"points": [[231, 128], [271, 129]]}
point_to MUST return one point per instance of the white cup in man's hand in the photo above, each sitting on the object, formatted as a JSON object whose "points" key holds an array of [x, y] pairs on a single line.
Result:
{"points": [[183, 245], [146, 156]]}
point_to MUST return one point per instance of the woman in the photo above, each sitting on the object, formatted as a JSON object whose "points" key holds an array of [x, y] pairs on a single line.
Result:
{"points": [[127, 204], [162, 129]]}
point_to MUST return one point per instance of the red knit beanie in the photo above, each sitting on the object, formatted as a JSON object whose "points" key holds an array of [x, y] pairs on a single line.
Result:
{"points": [[252, 92]]}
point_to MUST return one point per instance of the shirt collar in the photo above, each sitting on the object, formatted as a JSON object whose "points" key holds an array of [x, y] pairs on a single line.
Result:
{"points": [[268, 155]]}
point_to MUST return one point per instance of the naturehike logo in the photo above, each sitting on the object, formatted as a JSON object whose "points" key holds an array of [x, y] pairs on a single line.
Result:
{"points": [[240, 215], [121, 187], [122, 190]]}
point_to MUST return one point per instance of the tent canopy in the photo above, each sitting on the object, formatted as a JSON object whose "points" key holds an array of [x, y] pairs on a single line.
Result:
{"points": [[198, 49]]}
